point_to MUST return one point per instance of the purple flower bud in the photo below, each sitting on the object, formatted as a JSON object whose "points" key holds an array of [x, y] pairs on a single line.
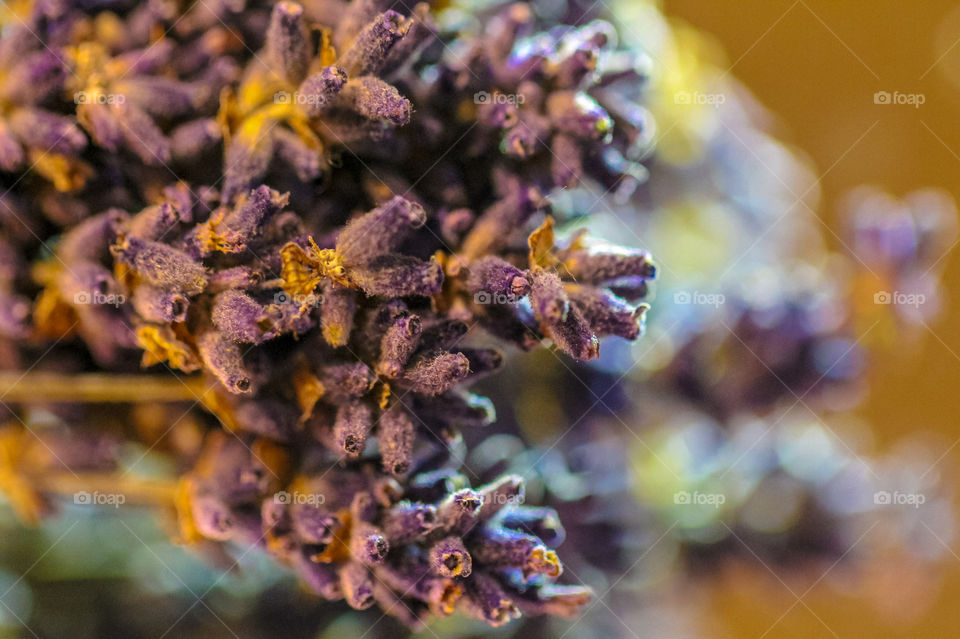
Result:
{"points": [[368, 545], [346, 381], [449, 558], [369, 49], [307, 163], [46, 131], [357, 584], [189, 141], [608, 314], [229, 231], [505, 491], [321, 89], [513, 324], [322, 579], [337, 313], [487, 600], [398, 343], [373, 98], [398, 275], [566, 164], [578, 114], [459, 511], [34, 78], [501, 547], [542, 523], [162, 265], [212, 518], [287, 47], [225, 360], [574, 336], [160, 305], [246, 161], [141, 135], [11, 153], [152, 222], [240, 277], [352, 426], [268, 417], [240, 318], [380, 231], [433, 375], [493, 275], [396, 433], [158, 96], [314, 525], [597, 267], [408, 521], [548, 297]]}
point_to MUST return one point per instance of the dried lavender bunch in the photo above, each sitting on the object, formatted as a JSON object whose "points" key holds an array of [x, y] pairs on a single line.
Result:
{"points": [[336, 345], [428, 544]]}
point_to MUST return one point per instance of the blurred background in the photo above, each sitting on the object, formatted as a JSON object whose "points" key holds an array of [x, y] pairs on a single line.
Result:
{"points": [[816, 64]]}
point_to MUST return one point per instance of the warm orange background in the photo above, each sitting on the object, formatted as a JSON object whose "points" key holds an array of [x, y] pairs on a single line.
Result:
{"points": [[816, 65]]}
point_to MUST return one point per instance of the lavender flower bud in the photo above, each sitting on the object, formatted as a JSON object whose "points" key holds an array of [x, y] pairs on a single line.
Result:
{"points": [[162, 265], [368, 545], [337, 314], [494, 275], [407, 521], [373, 98], [449, 558], [398, 343], [287, 47], [353, 424], [321, 89], [369, 49], [398, 276], [436, 375], [357, 584], [225, 360], [240, 318], [159, 305], [396, 433], [380, 231]]}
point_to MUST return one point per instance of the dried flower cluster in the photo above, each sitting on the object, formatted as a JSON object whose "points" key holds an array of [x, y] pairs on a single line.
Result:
{"points": [[313, 206]]}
